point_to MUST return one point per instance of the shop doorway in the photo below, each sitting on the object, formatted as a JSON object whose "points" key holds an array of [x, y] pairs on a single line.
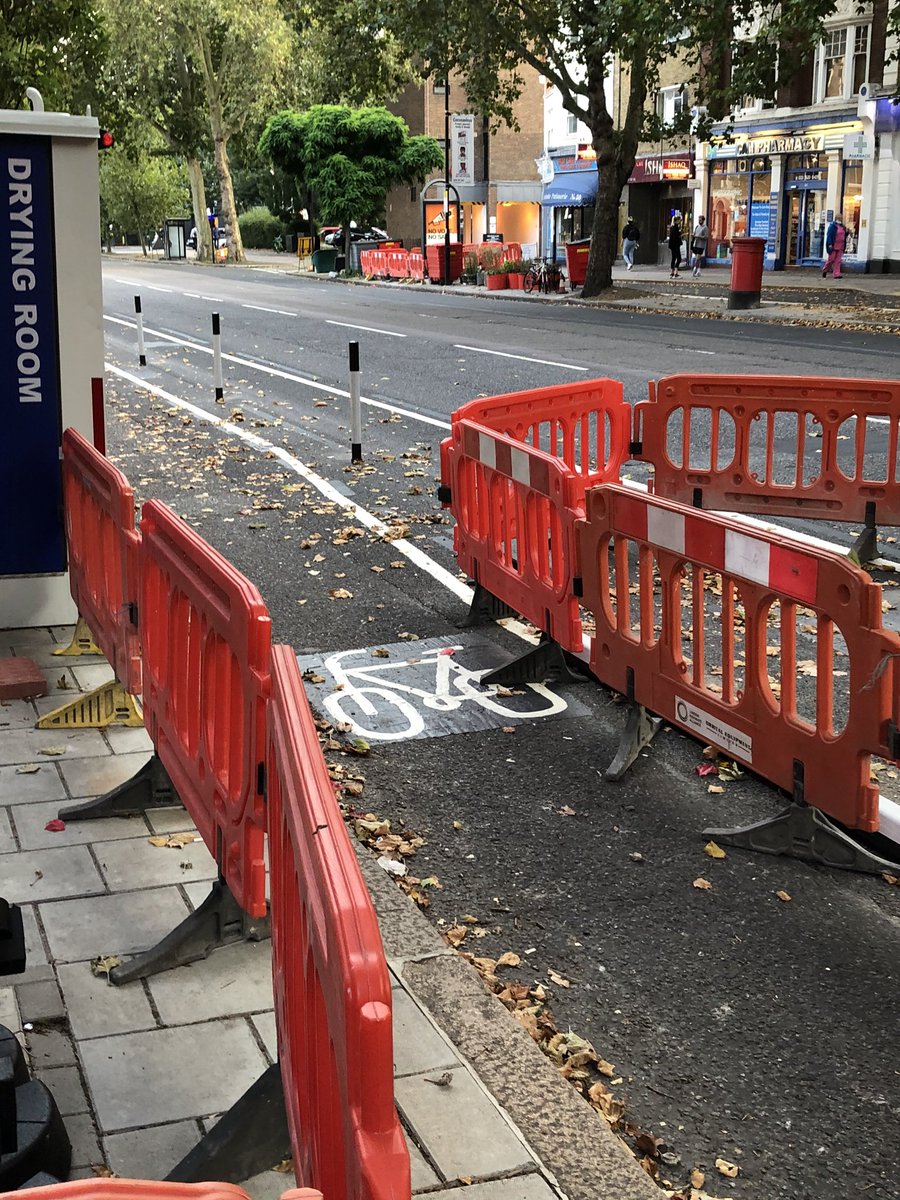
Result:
{"points": [[806, 226]]}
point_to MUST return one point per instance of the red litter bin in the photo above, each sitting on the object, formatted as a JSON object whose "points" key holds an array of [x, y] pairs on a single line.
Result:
{"points": [[577, 254], [747, 254]]}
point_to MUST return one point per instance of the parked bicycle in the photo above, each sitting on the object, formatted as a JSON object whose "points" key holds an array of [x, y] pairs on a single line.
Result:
{"points": [[278, 244], [543, 276]]}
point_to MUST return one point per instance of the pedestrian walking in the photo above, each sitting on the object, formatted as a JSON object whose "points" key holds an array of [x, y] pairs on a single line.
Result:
{"points": [[835, 241], [631, 238], [699, 239], [675, 247]]}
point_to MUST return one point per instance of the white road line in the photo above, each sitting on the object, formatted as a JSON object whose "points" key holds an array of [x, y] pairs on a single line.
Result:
{"points": [[521, 357], [366, 328], [214, 299], [193, 295], [289, 375], [415, 555], [688, 350], [282, 312], [154, 287]]}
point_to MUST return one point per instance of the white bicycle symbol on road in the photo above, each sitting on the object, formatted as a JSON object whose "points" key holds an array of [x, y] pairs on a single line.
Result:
{"points": [[454, 685]]}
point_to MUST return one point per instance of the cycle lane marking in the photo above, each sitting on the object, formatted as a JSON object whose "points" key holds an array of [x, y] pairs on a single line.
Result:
{"points": [[366, 328], [546, 362]]}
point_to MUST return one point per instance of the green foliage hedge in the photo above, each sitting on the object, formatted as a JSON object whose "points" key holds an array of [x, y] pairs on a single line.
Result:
{"points": [[259, 228]]}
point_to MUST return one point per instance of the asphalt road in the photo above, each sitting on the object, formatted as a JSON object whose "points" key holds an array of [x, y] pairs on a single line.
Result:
{"points": [[743, 1026]]}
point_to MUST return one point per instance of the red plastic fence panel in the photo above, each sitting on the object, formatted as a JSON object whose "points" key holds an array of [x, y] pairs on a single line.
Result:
{"points": [[416, 265], [145, 1189], [774, 444], [701, 619], [398, 264], [365, 262], [515, 510], [206, 639], [103, 558], [379, 261], [332, 989]]}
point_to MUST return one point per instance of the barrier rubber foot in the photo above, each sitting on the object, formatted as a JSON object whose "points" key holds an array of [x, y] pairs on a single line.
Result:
{"points": [[545, 662], [219, 921], [82, 642], [106, 705], [485, 608], [33, 1137], [251, 1137], [640, 729], [865, 547], [150, 788], [804, 832]]}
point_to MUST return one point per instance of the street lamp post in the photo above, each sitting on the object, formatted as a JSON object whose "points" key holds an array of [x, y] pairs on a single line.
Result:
{"points": [[446, 179]]}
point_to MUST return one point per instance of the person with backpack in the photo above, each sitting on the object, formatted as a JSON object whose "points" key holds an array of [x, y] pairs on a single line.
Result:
{"points": [[631, 237], [835, 242]]}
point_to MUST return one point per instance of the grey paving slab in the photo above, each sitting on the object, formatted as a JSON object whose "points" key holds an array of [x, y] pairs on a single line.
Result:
{"points": [[38, 636], [83, 1136], [61, 685], [9, 1009], [418, 1046], [150, 1153], [25, 745], [62, 634], [91, 675], [67, 1089], [134, 863], [34, 944], [130, 921], [421, 1173], [196, 892], [46, 659], [139, 1079], [236, 979], [33, 875], [40, 1001], [93, 777], [460, 1127], [16, 714], [96, 1008], [31, 819], [170, 820], [268, 1185], [50, 1048], [7, 841], [31, 788], [521, 1187], [264, 1024], [126, 739]]}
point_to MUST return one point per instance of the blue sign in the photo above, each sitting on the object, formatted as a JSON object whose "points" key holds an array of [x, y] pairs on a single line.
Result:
{"points": [[771, 234], [759, 219], [32, 538]]}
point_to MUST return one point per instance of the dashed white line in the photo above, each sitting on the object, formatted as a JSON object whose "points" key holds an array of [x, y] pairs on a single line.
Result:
{"points": [[289, 375], [689, 350], [366, 328], [154, 287], [415, 555], [546, 362], [282, 312]]}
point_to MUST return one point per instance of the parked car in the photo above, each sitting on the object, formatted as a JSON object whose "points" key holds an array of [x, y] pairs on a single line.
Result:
{"points": [[221, 238], [336, 236]]}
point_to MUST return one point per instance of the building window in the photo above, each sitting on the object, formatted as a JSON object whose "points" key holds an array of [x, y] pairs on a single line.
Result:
{"points": [[571, 123], [842, 63], [670, 104]]}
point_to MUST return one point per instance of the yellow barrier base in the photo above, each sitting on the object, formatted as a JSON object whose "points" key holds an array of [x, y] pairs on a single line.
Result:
{"points": [[106, 705], [82, 641]]}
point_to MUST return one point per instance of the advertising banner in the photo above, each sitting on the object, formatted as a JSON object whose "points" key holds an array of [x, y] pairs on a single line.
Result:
{"points": [[32, 540], [462, 147]]}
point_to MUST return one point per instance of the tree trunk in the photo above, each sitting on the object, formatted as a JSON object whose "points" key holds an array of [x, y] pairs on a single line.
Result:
{"points": [[604, 233], [198, 203], [229, 208]]}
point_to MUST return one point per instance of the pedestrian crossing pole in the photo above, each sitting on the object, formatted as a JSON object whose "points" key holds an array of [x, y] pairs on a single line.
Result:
{"points": [[355, 418], [217, 360], [142, 356]]}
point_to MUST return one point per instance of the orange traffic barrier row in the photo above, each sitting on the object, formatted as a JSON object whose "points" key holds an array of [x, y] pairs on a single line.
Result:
{"points": [[697, 619], [773, 444], [104, 568], [500, 251], [332, 989], [205, 635], [145, 1189]]}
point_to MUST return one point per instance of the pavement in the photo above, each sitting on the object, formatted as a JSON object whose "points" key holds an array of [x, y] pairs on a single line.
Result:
{"points": [[137, 1070]]}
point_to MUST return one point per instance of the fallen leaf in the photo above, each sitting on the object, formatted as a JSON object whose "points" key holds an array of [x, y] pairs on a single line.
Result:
{"points": [[808, 666], [398, 564], [508, 729], [28, 769], [381, 653], [559, 980], [457, 824], [340, 594], [508, 959], [455, 935], [104, 963], [707, 768], [702, 884], [710, 753], [713, 850], [605, 1068], [285, 1166], [893, 880], [55, 826], [53, 750], [783, 895], [697, 1178], [724, 1167], [715, 789], [174, 841], [565, 811]]}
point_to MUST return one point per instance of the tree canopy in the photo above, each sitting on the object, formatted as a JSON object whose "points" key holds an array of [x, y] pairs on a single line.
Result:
{"points": [[349, 157], [57, 46]]}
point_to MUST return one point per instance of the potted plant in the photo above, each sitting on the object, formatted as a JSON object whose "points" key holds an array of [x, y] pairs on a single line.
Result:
{"points": [[470, 268], [496, 278], [515, 274]]}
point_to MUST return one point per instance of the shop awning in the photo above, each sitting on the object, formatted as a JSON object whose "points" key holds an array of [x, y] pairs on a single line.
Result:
{"points": [[571, 189]]}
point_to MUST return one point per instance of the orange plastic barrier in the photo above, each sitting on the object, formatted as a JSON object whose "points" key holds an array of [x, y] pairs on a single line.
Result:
{"points": [[206, 639], [416, 264], [103, 558], [500, 251], [694, 615], [366, 266], [774, 444], [332, 989], [398, 264], [379, 262], [145, 1189]]}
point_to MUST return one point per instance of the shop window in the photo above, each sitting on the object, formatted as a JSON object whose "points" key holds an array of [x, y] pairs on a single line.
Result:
{"points": [[851, 203], [739, 198], [842, 62], [670, 104]]}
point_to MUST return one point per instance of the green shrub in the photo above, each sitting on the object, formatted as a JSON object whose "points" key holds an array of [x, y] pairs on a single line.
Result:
{"points": [[259, 228]]}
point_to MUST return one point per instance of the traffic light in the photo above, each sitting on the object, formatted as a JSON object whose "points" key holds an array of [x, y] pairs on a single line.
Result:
{"points": [[105, 141]]}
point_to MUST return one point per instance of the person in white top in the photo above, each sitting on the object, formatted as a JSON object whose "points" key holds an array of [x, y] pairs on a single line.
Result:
{"points": [[699, 239]]}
